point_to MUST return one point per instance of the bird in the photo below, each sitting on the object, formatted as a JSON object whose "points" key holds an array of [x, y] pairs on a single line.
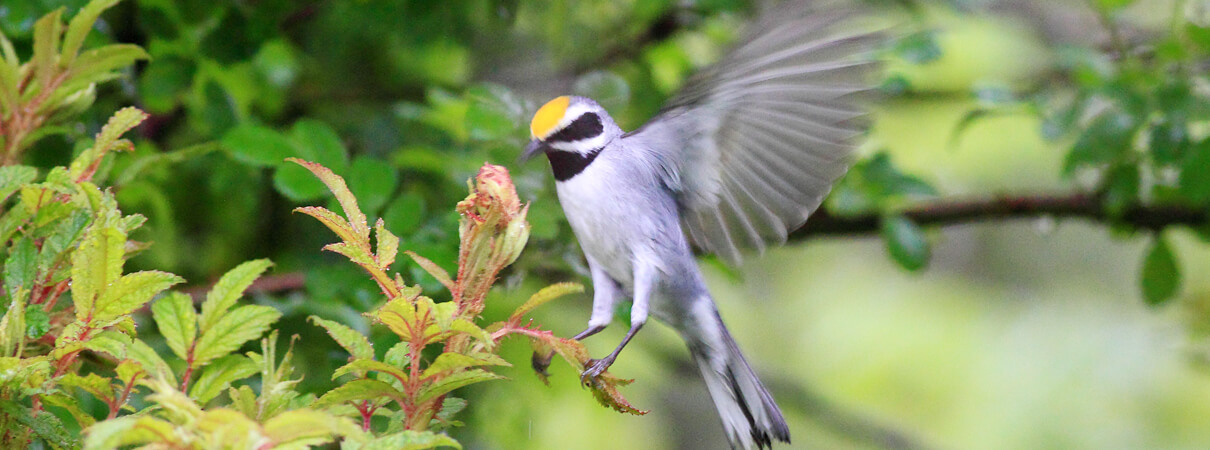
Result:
{"points": [[738, 158]]}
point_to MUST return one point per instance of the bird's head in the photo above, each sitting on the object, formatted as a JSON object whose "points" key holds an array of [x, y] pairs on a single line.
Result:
{"points": [[570, 124]]}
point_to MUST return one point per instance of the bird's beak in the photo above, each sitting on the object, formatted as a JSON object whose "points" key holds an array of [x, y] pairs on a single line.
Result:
{"points": [[535, 147]]}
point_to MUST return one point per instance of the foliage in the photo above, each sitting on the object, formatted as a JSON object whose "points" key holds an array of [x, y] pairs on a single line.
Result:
{"points": [[405, 385]]}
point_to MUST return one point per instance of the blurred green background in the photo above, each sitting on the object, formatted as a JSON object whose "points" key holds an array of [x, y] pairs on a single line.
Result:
{"points": [[1019, 334]]}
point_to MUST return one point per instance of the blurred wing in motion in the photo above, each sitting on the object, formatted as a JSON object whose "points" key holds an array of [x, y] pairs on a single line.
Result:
{"points": [[753, 144]]}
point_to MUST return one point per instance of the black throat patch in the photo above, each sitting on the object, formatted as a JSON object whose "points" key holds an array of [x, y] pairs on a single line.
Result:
{"points": [[566, 165]]}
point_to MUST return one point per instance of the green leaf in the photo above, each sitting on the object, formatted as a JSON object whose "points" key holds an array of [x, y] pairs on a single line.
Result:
{"points": [[452, 361], [545, 295], [493, 113], [100, 387], [228, 290], [905, 242], [1195, 179], [297, 184], [387, 247], [257, 145], [353, 342], [405, 213], [12, 326], [455, 381], [20, 267], [177, 320], [107, 140], [43, 424], [1161, 277], [232, 331], [318, 142], [47, 31], [131, 292], [93, 66], [364, 389], [79, 27], [130, 430], [364, 365], [1108, 137], [218, 376], [408, 440], [1169, 141], [372, 181], [302, 424], [112, 342], [95, 265], [37, 323], [13, 177], [1111, 5]]}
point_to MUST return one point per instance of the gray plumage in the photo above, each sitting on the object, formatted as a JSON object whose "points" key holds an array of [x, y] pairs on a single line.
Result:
{"points": [[738, 159]]}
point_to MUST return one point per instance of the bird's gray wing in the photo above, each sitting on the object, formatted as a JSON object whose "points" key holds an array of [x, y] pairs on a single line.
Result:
{"points": [[752, 145]]}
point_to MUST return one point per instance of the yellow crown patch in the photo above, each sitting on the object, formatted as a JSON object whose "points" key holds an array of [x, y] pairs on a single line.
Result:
{"points": [[548, 117]]}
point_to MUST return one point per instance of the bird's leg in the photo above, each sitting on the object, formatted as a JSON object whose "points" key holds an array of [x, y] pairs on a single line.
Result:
{"points": [[605, 295], [644, 280]]}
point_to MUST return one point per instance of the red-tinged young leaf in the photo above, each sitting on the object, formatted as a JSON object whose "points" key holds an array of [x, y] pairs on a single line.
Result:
{"points": [[333, 221], [100, 387], [605, 390], [122, 121], [454, 381], [352, 341], [238, 326], [387, 244], [111, 342], [336, 184], [131, 292], [433, 269], [228, 290], [543, 296], [360, 366], [177, 320], [364, 389], [355, 253]]}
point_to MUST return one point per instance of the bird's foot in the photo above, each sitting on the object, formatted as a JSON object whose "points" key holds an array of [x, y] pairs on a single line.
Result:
{"points": [[595, 368], [541, 362]]}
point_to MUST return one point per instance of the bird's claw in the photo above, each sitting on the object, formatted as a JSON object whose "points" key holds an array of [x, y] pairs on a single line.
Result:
{"points": [[594, 369]]}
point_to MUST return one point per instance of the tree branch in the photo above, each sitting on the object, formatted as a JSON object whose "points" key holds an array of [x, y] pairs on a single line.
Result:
{"points": [[957, 212]]}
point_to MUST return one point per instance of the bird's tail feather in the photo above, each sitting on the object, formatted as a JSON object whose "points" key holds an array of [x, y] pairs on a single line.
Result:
{"points": [[750, 416]]}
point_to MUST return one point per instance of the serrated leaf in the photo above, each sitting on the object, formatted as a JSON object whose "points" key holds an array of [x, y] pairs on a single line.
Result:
{"points": [[109, 138], [228, 290], [37, 323], [301, 424], [364, 365], [905, 242], [131, 292], [47, 32], [336, 184], [129, 430], [111, 342], [177, 320], [13, 177], [72, 406], [95, 265], [43, 424], [409, 440], [93, 66], [218, 376], [238, 326], [333, 221], [257, 145], [455, 381], [449, 407], [20, 267], [297, 184], [12, 326], [433, 269], [363, 389], [100, 387], [1161, 277], [545, 295], [79, 27], [452, 361], [387, 247], [352, 341]]}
